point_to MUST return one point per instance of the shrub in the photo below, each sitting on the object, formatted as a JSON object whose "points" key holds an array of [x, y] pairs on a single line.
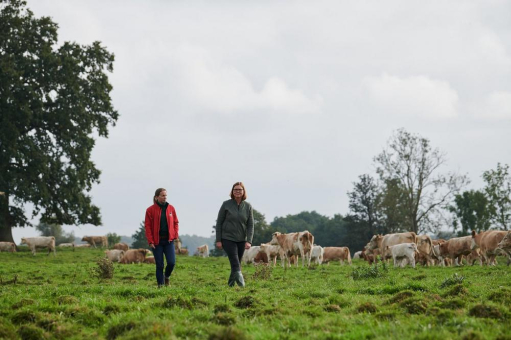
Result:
{"points": [[414, 306], [262, 272], [453, 280], [177, 302], [375, 271], [104, 270], [22, 303], [119, 329], [367, 307], [486, 311], [245, 302], [227, 333], [30, 332], [224, 319]]}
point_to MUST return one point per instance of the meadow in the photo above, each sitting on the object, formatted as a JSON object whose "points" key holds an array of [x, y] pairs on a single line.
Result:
{"points": [[47, 297]]}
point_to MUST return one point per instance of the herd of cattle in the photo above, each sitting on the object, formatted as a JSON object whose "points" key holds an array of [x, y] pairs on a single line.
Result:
{"points": [[404, 248]]}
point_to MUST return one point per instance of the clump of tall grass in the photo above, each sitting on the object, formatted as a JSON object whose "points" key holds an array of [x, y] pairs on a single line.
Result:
{"points": [[262, 272], [377, 270], [453, 280], [104, 270]]}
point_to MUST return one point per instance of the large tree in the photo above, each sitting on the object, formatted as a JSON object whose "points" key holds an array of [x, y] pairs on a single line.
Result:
{"points": [[53, 98], [410, 160], [498, 192], [471, 212], [364, 202]]}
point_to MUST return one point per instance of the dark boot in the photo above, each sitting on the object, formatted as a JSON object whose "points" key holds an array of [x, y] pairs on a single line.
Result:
{"points": [[167, 281], [239, 279], [232, 280]]}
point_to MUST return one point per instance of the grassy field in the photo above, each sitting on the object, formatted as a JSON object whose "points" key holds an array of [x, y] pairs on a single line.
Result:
{"points": [[46, 297]]}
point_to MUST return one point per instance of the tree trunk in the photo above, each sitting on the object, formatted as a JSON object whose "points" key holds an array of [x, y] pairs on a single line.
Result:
{"points": [[5, 226]]}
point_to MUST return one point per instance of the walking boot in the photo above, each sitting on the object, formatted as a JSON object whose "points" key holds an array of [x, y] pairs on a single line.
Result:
{"points": [[238, 276], [167, 281], [231, 280]]}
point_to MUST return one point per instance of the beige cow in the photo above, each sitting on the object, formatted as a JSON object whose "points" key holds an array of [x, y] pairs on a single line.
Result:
{"points": [[40, 242], [381, 242], [487, 242], [271, 251], [134, 256], [340, 254], [425, 250], [299, 243], [203, 251], [95, 240], [505, 246], [8, 246]]}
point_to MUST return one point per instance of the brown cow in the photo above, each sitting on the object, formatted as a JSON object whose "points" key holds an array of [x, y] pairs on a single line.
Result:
{"points": [[340, 254], [370, 255], [177, 246], [261, 257], [183, 251], [299, 243], [474, 256], [382, 242], [94, 240], [505, 246], [487, 242], [134, 256], [121, 246], [203, 251], [271, 252], [453, 249]]}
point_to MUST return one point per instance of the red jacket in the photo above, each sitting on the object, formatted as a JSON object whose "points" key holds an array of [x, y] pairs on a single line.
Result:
{"points": [[152, 223]]}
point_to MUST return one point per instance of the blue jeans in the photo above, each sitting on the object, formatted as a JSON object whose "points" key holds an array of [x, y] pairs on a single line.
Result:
{"points": [[167, 248]]}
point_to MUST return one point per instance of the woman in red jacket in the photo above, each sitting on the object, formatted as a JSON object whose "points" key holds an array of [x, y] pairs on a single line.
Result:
{"points": [[161, 229]]}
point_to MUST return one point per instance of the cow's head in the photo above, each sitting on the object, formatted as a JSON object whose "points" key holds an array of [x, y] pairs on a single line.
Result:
{"points": [[505, 243], [274, 238], [85, 238], [436, 252], [23, 240], [373, 244], [473, 243]]}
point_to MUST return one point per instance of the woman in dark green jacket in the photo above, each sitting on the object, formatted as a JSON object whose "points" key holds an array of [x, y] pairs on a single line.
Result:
{"points": [[234, 230]]}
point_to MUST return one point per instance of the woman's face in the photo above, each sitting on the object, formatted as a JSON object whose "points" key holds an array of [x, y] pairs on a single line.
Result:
{"points": [[162, 198], [237, 191]]}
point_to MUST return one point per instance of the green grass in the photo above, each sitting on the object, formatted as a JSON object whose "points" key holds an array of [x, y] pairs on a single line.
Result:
{"points": [[46, 297]]}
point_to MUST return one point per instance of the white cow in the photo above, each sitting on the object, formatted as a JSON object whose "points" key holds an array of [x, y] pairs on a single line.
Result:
{"points": [[8, 246], [317, 254], [271, 252], [114, 255], [250, 254], [357, 255], [403, 253], [68, 245], [40, 242]]}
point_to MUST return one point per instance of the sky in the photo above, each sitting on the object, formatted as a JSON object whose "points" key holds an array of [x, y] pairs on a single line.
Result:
{"points": [[293, 98]]}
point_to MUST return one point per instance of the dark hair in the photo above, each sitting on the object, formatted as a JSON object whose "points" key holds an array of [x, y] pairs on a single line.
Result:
{"points": [[244, 197], [157, 193]]}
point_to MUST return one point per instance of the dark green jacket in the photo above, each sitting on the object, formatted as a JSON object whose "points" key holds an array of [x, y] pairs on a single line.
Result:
{"points": [[235, 223]]}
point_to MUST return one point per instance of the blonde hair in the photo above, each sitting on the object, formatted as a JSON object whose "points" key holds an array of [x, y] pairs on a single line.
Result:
{"points": [[244, 197]]}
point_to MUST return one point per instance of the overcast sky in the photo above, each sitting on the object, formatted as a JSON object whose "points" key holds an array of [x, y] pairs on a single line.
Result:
{"points": [[294, 98]]}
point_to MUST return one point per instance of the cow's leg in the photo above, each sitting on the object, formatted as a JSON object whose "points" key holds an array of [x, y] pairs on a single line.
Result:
{"points": [[395, 261], [412, 261]]}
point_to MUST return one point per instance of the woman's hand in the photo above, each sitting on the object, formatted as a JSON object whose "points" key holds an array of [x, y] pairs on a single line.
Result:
{"points": [[247, 245], [219, 245]]}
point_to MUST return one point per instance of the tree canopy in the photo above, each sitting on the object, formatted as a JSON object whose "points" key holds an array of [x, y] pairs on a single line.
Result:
{"points": [[53, 99]]}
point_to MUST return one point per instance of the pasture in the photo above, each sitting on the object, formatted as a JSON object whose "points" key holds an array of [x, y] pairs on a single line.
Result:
{"points": [[47, 297]]}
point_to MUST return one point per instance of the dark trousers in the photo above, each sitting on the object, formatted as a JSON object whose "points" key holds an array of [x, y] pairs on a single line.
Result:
{"points": [[234, 251], [167, 248]]}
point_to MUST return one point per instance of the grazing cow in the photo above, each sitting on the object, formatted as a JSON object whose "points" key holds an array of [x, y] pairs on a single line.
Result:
{"points": [[114, 255], [150, 260], [317, 254], [203, 251], [453, 249], [250, 254], [299, 243], [403, 253], [357, 255], [134, 256], [487, 242], [340, 254], [382, 242], [271, 252], [425, 249], [66, 245], [370, 255], [40, 242], [82, 245], [183, 251], [121, 246], [505, 246], [94, 240], [8, 246]]}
